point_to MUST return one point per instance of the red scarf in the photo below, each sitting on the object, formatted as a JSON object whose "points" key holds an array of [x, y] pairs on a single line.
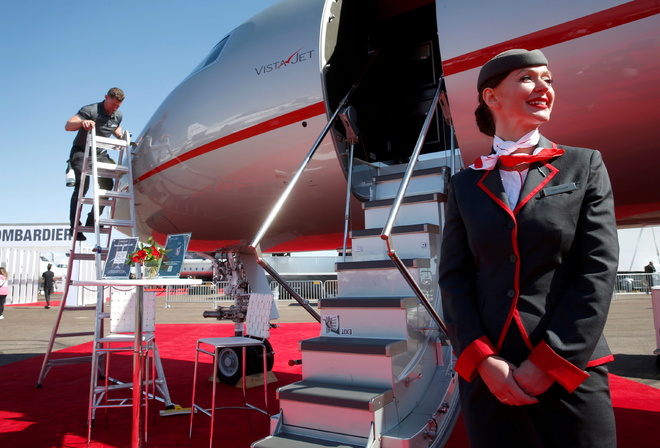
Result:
{"points": [[504, 153]]}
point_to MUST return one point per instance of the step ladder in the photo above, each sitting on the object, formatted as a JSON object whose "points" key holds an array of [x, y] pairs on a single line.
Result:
{"points": [[91, 172], [120, 197], [378, 375]]}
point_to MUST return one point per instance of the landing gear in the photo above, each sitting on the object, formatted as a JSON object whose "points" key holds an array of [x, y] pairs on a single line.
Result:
{"points": [[228, 266]]}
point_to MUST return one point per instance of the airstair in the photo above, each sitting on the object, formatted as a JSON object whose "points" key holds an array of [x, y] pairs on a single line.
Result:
{"points": [[80, 260], [381, 372]]}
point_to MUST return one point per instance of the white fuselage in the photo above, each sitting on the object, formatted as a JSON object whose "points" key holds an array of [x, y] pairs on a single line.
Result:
{"points": [[224, 144]]}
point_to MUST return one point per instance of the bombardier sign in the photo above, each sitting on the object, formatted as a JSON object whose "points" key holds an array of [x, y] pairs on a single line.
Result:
{"points": [[36, 235]]}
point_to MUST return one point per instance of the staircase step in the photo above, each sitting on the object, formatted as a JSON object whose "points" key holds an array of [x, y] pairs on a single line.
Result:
{"points": [[367, 362], [287, 440], [435, 171], [423, 181], [412, 241], [371, 265], [381, 278], [362, 346], [363, 398], [366, 302], [354, 316], [334, 408], [397, 230], [425, 208], [429, 197]]}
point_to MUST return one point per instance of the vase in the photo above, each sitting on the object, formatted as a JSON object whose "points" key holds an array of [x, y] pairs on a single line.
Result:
{"points": [[149, 271]]}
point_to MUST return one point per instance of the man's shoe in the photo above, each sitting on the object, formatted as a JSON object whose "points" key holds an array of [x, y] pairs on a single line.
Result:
{"points": [[47, 307], [2, 317], [81, 237]]}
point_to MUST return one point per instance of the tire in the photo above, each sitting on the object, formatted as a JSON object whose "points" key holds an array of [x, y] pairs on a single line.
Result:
{"points": [[230, 365]]}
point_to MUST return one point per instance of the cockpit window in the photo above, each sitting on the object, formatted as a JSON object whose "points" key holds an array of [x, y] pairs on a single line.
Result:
{"points": [[212, 57]]}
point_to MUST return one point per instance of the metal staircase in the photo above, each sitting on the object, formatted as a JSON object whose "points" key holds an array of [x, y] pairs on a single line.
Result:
{"points": [[380, 374]]}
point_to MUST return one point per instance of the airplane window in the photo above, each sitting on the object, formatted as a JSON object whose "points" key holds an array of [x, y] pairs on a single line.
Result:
{"points": [[212, 56]]}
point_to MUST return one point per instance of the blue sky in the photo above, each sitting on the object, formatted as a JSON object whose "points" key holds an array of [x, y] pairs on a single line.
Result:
{"points": [[59, 56]]}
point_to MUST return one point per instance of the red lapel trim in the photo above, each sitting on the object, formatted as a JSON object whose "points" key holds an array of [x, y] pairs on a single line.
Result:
{"points": [[522, 330], [497, 200], [513, 311], [514, 243], [553, 172]]}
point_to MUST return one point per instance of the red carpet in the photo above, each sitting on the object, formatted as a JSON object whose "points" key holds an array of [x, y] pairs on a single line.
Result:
{"points": [[55, 415], [53, 303]]}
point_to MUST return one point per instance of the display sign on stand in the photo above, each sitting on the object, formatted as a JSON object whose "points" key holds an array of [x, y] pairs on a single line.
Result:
{"points": [[175, 252], [117, 264]]}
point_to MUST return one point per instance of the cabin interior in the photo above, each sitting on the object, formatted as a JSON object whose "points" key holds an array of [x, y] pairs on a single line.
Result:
{"points": [[398, 42]]}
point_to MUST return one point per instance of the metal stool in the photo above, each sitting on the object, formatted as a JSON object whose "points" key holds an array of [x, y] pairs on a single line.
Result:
{"points": [[258, 327]]}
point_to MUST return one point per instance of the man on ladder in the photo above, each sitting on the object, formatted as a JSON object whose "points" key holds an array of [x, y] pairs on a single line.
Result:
{"points": [[105, 118]]}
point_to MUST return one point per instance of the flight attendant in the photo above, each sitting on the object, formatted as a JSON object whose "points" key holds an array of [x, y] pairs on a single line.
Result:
{"points": [[528, 265]]}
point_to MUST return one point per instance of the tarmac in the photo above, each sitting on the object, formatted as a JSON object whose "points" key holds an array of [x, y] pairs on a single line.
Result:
{"points": [[26, 330]]}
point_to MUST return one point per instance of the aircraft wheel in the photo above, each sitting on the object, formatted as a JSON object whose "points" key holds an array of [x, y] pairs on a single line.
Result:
{"points": [[230, 365]]}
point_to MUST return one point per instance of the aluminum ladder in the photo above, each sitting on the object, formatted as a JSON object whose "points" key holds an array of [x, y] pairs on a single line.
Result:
{"points": [[92, 171]]}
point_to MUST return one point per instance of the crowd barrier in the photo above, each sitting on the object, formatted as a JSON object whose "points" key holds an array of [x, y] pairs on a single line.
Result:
{"points": [[313, 290], [636, 282], [211, 293]]}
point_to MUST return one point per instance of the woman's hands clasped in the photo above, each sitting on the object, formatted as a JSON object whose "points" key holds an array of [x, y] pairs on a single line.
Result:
{"points": [[515, 386]]}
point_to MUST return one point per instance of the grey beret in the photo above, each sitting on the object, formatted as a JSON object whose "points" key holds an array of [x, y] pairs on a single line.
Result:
{"points": [[508, 61]]}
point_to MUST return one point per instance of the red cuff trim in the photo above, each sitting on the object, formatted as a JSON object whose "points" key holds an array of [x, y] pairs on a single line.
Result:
{"points": [[466, 365], [600, 361], [562, 371]]}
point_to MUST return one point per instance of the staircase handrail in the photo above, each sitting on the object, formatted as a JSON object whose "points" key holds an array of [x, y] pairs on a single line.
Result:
{"points": [[398, 200], [255, 245]]}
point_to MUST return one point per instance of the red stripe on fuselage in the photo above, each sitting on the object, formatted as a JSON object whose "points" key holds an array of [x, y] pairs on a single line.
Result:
{"points": [[261, 128], [584, 26]]}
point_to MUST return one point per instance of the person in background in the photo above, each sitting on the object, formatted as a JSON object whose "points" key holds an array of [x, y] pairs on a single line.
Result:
{"points": [[49, 283], [528, 266], [105, 118], [649, 269], [4, 289]]}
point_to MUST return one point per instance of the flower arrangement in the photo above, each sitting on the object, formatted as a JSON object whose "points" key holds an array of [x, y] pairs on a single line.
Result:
{"points": [[147, 254]]}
